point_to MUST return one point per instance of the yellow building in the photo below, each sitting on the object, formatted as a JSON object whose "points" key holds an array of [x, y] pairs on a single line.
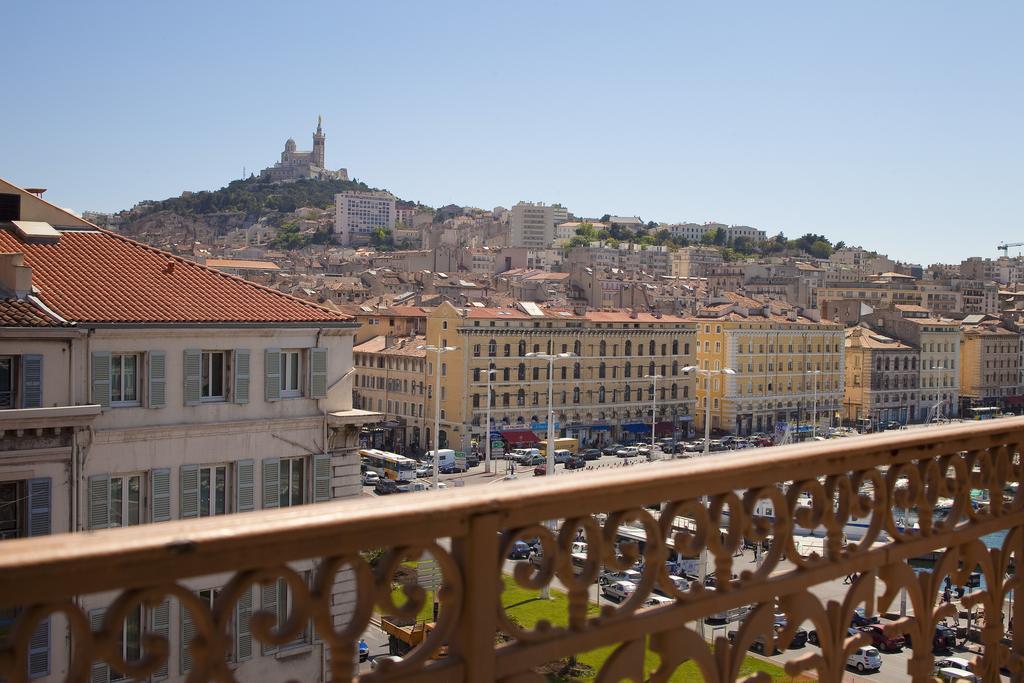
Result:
{"points": [[779, 353], [390, 379], [882, 378], [989, 364], [601, 394]]}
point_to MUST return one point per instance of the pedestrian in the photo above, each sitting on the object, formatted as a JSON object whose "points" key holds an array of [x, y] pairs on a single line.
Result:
{"points": [[946, 595], [848, 579]]}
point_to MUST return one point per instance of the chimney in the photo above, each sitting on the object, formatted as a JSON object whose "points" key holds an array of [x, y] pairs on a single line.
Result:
{"points": [[15, 276]]}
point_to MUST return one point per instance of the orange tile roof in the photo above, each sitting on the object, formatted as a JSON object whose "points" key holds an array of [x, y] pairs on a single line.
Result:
{"points": [[625, 316], [99, 276], [21, 313], [241, 264]]}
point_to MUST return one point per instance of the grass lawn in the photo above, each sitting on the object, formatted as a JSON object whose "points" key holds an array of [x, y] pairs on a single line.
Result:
{"points": [[526, 607]]}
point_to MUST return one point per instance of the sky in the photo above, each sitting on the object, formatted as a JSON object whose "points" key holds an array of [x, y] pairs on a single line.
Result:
{"points": [[892, 125]]}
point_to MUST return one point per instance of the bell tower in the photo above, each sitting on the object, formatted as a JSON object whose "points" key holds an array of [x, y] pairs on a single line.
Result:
{"points": [[318, 143]]}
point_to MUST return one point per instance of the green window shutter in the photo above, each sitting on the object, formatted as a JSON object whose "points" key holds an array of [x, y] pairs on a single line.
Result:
{"points": [[243, 636], [271, 483], [272, 374], [39, 650], [99, 501], [241, 392], [268, 603], [317, 373], [193, 372], [32, 381], [100, 672], [245, 485], [189, 491], [157, 379], [321, 477], [188, 634], [160, 494], [160, 617], [101, 378], [39, 518]]}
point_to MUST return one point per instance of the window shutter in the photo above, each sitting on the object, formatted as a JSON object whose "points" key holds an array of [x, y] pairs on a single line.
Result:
{"points": [[268, 603], [245, 485], [161, 626], [243, 637], [193, 367], [271, 483], [321, 477], [317, 373], [32, 381], [99, 501], [157, 379], [160, 494], [39, 507], [272, 374], [39, 649], [100, 672], [189, 491], [101, 378], [241, 392], [188, 633]]}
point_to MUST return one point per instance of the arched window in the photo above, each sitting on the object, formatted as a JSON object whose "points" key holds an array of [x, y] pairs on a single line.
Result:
{"points": [[600, 395], [602, 349], [601, 370], [627, 394], [663, 351], [686, 391], [521, 398], [576, 395], [505, 374], [651, 368], [492, 348], [476, 374], [629, 348], [476, 350], [504, 398], [508, 350], [650, 347], [627, 370], [536, 373], [576, 347], [675, 391], [886, 362], [522, 371], [675, 347], [639, 348], [675, 368], [575, 370], [522, 347]]}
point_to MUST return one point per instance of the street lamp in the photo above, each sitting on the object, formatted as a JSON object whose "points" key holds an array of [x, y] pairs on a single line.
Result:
{"points": [[707, 398], [437, 402], [814, 424], [654, 408], [550, 466], [487, 430]]}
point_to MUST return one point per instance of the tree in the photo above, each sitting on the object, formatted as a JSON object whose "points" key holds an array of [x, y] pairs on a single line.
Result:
{"points": [[605, 218], [840, 245], [382, 240]]}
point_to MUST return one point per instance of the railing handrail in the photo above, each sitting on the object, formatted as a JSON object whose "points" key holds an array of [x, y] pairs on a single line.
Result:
{"points": [[36, 569]]}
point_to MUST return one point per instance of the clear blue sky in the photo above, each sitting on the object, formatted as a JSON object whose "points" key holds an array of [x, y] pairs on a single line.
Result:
{"points": [[896, 125]]}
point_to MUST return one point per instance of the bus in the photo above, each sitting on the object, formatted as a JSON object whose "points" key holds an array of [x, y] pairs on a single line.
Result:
{"points": [[566, 444], [389, 465], [985, 412]]}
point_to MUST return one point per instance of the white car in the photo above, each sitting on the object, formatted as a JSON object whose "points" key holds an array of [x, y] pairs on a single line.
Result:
{"points": [[608, 577], [619, 590], [952, 663], [954, 675], [424, 471], [865, 659], [679, 582], [628, 452], [656, 600], [370, 478]]}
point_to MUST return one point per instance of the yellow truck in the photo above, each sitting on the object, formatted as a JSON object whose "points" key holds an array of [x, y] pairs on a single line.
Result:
{"points": [[571, 445]]}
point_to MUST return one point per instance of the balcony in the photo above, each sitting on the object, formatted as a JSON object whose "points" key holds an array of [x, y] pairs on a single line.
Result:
{"points": [[818, 486]]}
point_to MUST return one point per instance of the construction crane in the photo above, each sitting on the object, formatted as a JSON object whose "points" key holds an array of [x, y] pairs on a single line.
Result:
{"points": [[1005, 246]]}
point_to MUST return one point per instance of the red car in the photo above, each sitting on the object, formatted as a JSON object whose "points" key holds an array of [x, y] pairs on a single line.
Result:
{"points": [[540, 470], [882, 641]]}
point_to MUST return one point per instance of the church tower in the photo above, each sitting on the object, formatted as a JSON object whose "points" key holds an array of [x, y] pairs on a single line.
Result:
{"points": [[318, 144]]}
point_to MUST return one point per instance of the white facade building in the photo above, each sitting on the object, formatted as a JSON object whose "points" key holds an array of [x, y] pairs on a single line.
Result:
{"points": [[358, 214], [533, 225]]}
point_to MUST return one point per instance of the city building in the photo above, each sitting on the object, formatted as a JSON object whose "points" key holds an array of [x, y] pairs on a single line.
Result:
{"points": [[390, 375], [359, 214], [695, 261], [140, 387], [296, 165], [788, 365], [989, 364], [602, 393], [533, 225], [882, 377]]}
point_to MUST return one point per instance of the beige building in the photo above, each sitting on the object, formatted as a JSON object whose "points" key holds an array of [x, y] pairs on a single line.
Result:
{"points": [[390, 380], [533, 225], [296, 165], [602, 393], [882, 379], [989, 364], [358, 214]]}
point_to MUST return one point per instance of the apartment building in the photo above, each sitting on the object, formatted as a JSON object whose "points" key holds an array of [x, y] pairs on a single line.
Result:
{"points": [[788, 364], [633, 258], [358, 214], [938, 342], [989, 363], [142, 388], [533, 225], [602, 392], [390, 380], [695, 261], [882, 378]]}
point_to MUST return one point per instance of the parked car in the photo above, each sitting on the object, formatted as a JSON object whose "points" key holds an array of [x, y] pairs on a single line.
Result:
{"points": [[575, 463], [423, 471], [628, 452], [799, 636], [612, 449], [643, 449], [452, 468], [376, 661], [812, 635], [882, 641], [591, 454], [370, 478], [535, 459], [562, 456], [952, 663], [520, 550], [404, 486], [655, 600], [679, 582], [951, 675], [861, 618], [540, 470], [865, 659], [619, 590], [608, 577], [384, 487]]}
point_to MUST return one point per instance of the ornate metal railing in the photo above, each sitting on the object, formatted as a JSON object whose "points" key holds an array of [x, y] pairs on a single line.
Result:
{"points": [[820, 486]]}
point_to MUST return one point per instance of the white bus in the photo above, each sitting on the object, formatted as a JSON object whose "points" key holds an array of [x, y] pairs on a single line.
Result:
{"points": [[389, 465]]}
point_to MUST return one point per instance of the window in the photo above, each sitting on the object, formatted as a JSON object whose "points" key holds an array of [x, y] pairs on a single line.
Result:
{"points": [[129, 640], [12, 509], [292, 481], [7, 385], [291, 382], [212, 378], [124, 379], [126, 500], [213, 490], [285, 605]]}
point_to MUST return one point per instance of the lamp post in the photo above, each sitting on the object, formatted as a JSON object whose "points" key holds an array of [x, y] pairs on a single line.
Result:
{"points": [[437, 403], [549, 468], [707, 398], [654, 409], [814, 425], [487, 429]]}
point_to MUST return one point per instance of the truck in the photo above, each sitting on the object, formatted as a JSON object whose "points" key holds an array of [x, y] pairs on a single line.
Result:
{"points": [[567, 444], [405, 634]]}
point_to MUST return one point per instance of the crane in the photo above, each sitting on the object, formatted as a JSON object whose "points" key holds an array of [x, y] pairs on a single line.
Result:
{"points": [[1005, 246]]}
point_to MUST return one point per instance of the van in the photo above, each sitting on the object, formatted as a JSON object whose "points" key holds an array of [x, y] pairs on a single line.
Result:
{"points": [[446, 458]]}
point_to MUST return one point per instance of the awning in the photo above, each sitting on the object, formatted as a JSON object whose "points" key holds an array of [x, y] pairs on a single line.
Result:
{"points": [[636, 427], [519, 438]]}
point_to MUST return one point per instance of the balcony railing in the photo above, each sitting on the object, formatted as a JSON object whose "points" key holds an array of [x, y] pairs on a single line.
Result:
{"points": [[936, 475]]}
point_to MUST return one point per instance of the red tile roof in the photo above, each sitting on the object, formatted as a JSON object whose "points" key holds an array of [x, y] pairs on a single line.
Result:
{"points": [[101, 277], [21, 313]]}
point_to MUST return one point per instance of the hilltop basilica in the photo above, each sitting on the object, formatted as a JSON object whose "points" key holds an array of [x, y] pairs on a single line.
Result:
{"points": [[295, 165]]}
